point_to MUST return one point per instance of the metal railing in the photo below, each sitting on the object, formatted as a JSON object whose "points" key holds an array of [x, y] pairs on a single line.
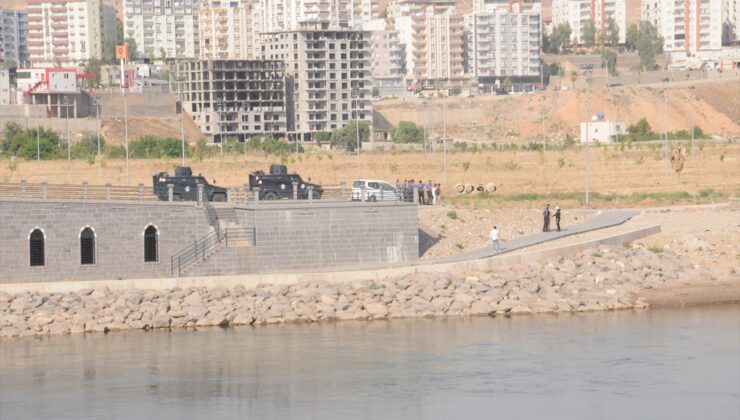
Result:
{"points": [[69, 191], [213, 218], [206, 245]]}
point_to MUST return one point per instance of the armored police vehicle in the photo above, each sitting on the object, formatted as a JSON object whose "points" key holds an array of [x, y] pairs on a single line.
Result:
{"points": [[185, 186], [279, 184]]}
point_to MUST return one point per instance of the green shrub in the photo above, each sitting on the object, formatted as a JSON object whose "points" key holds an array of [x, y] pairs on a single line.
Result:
{"points": [[452, 214], [655, 249]]}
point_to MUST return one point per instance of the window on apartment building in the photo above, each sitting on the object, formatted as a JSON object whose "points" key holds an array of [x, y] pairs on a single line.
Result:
{"points": [[344, 86], [333, 117], [332, 86], [345, 117], [343, 56]]}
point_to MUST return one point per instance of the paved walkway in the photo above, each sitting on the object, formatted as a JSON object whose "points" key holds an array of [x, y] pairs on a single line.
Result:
{"points": [[604, 219]]}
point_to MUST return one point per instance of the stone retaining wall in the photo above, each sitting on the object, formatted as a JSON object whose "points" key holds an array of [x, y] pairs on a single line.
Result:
{"points": [[600, 278], [337, 276]]}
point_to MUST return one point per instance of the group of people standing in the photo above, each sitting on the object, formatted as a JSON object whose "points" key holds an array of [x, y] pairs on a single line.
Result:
{"points": [[429, 193], [495, 235], [546, 216]]}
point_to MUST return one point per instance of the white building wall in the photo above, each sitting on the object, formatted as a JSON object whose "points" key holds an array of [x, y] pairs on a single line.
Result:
{"points": [[679, 30], [286, 15], [13, 36], [4, 87], [577, 12], [64, 33], [500, 43], [227, 30], [171, 25]]}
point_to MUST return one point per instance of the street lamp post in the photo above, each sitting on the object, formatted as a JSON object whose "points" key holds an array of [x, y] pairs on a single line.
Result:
{"points": [[69, 141], [96, 103], [665, 131], [444, 134], [542, 86], [182, 112], [356, 95]]}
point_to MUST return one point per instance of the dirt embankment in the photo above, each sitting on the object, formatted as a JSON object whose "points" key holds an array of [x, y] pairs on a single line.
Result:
{"points": [[715, 107]]}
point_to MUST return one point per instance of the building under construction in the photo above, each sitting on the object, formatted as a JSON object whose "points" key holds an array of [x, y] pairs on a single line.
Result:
{"points": [[233, 99]]}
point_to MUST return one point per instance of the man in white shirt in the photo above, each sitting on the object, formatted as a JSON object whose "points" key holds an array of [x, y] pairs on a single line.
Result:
{"points": [[495, 240]]}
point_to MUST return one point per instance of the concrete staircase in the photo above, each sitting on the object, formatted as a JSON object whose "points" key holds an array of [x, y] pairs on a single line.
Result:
{"points": [[226, 250], [223, 261]]}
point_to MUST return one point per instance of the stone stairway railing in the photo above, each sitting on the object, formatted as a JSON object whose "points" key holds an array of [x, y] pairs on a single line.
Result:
{"points": [[202, 248]]}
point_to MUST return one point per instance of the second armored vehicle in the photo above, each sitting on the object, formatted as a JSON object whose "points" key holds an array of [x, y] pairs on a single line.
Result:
{"points": [[279, 184], [185, 186]]}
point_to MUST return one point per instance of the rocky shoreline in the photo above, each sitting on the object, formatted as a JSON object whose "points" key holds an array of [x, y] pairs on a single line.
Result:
{"points": [[604, 278]]}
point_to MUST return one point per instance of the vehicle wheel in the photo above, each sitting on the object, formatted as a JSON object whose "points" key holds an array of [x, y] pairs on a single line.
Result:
{"points": [[373, 199], [271, 196], [219, 198]]}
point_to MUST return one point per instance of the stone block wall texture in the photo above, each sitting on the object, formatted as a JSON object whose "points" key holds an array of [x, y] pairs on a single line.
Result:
{"points": [[119, 237], [294, 236], [289, 236]]}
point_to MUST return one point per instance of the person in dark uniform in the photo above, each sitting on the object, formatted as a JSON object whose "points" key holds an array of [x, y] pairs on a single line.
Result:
{"points": [[557, 217], [546, 216]]}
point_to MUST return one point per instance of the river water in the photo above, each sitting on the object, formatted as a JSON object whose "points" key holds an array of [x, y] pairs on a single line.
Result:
{"points": [[653, 364]]}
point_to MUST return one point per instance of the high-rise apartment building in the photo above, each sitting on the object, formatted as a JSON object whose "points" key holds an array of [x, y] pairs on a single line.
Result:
{"points": [[432, 34], [234, 99], [329, 76], [503, 43], [687, 26], [287, 15], [730, 22], [65, 32], [13, 36], [166, 28], [387, 55], [577, 13], [229, 29]]}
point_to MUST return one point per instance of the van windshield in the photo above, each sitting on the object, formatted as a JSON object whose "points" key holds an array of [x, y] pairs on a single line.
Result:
{"points": [[357, 184]]}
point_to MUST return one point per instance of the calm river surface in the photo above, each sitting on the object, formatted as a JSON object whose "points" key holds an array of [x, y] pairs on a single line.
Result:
{"points": [[654, 364]]}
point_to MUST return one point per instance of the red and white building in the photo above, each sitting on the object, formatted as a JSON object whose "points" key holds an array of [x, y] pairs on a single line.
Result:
{"points": [[688, 27], [51, 86], [67, 32], [578, 12]]}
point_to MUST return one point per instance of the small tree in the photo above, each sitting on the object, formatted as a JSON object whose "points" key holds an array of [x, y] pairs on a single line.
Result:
{"points": [[612, 31], [346, 137], [609, 58], [133, 52], [507, 84], [162, 54], [322, 137], [408, 132], [588, 33], [376, 92], [573, 78]]}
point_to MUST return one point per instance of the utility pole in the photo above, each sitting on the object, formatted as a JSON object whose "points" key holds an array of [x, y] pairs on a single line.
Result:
{"points": [[692, 135], [38, 144], [665, 130], [444, 134], [542, 84], [125, 118], [96, 102], [587, 139], [182, 108], [357, 126], [69, 140]]}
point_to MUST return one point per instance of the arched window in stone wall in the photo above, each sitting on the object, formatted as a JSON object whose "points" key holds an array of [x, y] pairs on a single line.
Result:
{"points": [[36, 248], [87, 246], [151, 244]]}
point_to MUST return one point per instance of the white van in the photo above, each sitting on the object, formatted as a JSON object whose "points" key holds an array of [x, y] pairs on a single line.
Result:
{"points": [[374, 190]]}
